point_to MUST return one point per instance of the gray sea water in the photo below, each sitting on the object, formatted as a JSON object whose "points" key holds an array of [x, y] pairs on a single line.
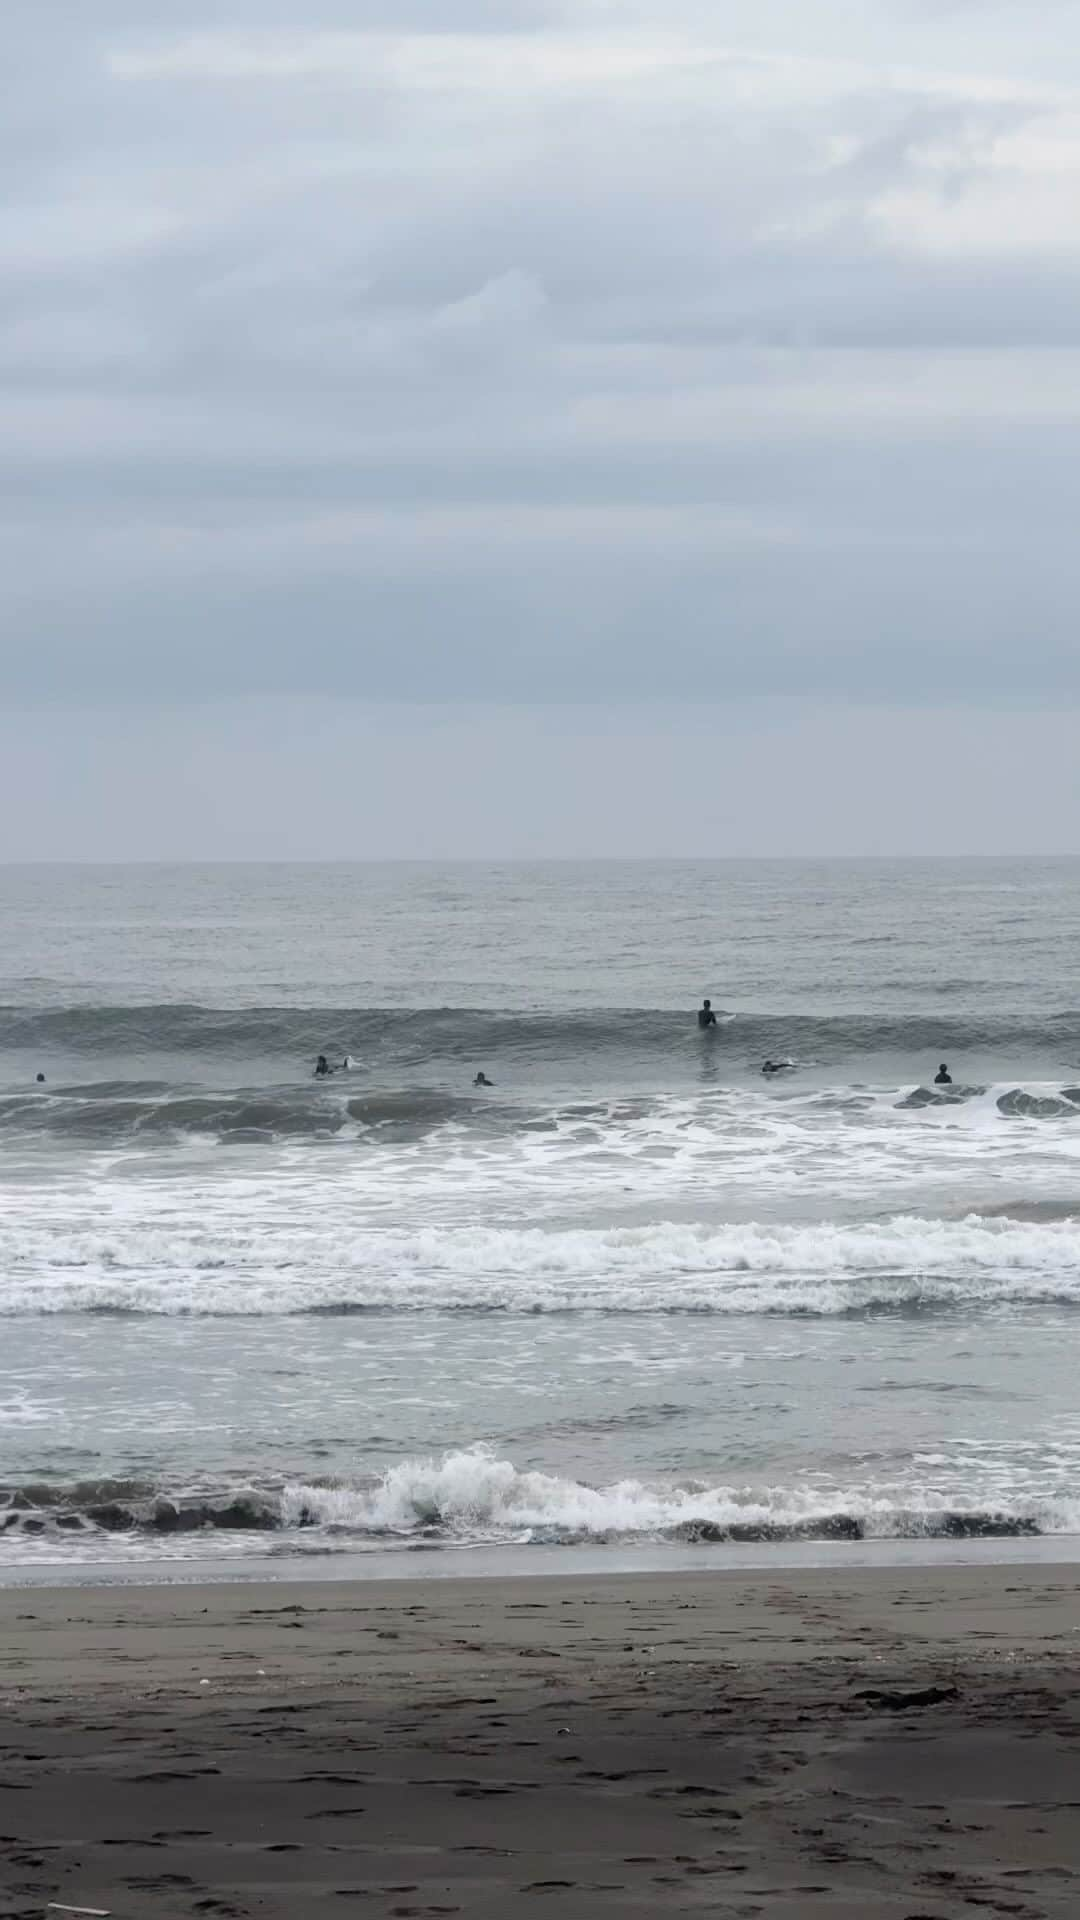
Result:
{"points": [[635, 1294]]}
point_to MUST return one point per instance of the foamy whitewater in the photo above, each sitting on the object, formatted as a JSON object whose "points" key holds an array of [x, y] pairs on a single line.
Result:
{"points": [[635, 1292]]}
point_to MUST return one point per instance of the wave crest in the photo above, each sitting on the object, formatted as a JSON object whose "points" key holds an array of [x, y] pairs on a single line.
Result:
{"points": [[384, 1036]]}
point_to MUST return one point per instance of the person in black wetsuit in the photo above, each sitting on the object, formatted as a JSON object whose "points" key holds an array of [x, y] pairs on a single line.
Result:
{"points": [[322, 1067], [706, 1017], [943, 1078], [482, 1081]]}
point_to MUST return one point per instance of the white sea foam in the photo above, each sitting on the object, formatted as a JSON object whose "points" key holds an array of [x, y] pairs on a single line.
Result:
{"points": [[473, 1495], [240, 1264]]}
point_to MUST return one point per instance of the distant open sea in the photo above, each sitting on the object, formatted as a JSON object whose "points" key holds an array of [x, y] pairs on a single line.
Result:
{"points": [[634, 1294]]}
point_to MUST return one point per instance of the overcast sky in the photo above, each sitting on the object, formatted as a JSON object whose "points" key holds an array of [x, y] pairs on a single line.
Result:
{"points": [[539, 426]]}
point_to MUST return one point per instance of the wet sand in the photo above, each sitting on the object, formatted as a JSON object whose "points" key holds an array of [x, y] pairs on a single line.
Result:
{"points": [[734, 1744]]}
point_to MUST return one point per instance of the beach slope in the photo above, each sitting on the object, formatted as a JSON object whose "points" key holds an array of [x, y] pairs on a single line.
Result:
{"points": [[893, 1744]]}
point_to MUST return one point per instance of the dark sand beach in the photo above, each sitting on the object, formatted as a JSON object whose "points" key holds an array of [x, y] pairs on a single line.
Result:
{"points": [[733, 1744]]}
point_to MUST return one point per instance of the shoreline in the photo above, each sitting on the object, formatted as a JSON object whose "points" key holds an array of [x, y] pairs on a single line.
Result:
{"points": [[796, 1744], [425, 1563]]}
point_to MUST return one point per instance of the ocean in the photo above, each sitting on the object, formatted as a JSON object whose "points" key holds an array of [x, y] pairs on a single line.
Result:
{"points": [[636, 1295]]}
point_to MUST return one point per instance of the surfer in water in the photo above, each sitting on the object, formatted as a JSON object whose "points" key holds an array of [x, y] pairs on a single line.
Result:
{"points": [[323, 1069], [943, 1078], [706, 1017], [777, 1066], [483, 1081]]}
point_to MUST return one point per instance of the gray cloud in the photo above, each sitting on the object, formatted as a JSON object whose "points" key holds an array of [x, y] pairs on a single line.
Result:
{"points": [[534, 352]]}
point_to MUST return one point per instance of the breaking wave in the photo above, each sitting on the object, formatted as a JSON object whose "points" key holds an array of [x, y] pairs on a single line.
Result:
{"points": [[152, 1113], [128, 1113], [236, 1267], [471, 1497]]}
